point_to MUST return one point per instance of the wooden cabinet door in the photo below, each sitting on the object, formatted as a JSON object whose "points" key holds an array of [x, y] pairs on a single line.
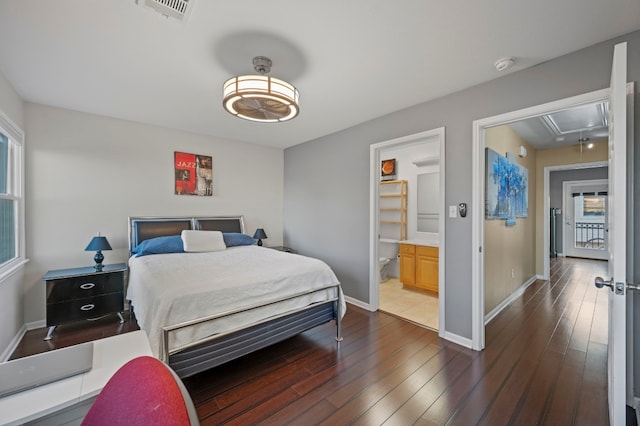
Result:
{"points": [[427, 268], [407, 264]]}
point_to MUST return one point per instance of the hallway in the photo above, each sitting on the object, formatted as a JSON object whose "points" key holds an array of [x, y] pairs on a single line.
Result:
{"points": [[554, 360]]}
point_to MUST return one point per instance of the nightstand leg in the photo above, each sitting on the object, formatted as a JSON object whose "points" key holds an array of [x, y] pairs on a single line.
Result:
{"points": [[121, 318], [50, 332]]}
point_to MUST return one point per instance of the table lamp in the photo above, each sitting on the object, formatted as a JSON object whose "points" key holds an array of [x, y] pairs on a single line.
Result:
{"points": [[97, 244], [260, 235]]}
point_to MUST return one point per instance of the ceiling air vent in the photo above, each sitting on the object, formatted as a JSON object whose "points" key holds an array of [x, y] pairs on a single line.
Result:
{"points": [[178, 9]]}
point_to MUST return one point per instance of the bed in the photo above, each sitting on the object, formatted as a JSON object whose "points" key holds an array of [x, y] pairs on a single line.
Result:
{"points": [[202, 309]]}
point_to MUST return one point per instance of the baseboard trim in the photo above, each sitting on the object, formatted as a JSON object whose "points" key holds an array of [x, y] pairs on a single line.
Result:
{"points": [[458, 340], [18, 337], [13, 344], [36, 324], [506, 302], [358, 303]]}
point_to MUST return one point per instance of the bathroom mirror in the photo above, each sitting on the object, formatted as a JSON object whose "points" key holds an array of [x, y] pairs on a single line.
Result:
{"points": [[428, 187]]}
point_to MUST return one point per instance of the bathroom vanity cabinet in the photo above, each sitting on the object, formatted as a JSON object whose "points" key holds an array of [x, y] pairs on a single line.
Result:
{"points": [[419, 267]]}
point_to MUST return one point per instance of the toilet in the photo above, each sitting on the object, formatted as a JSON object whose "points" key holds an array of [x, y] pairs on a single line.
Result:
{"points": [[382, 263]]}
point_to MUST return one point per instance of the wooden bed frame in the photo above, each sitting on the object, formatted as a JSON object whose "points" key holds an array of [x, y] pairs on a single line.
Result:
{"points": [[218, 349]]}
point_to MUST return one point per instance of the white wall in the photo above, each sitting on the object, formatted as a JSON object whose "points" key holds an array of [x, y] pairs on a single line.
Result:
{"points": [[406, 170], [11, 312], [11, 103], [87, 174]]}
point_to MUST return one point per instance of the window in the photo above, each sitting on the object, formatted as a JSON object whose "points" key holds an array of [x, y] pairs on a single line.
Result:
{"points": [[594, 205], [12, 251]]}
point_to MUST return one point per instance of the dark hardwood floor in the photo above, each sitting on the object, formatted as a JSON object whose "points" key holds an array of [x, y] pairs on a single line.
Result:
{"points": [[72, 334], [544, 363]]}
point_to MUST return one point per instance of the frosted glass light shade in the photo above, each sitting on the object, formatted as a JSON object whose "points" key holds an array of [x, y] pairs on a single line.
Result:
{"points": [[260, 98]]}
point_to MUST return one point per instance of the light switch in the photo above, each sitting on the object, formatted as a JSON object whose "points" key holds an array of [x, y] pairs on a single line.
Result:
{"points": [[453, 211]]}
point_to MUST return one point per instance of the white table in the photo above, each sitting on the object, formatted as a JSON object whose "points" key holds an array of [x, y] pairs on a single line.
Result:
{"points": [[109, 355]]}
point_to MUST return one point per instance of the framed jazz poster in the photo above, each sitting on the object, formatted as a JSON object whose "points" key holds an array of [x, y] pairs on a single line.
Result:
{"points": [[193, 174]]}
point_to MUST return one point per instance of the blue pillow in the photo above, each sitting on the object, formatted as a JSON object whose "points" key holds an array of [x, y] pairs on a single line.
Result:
{"points": [[232, 239], [160, 245]]}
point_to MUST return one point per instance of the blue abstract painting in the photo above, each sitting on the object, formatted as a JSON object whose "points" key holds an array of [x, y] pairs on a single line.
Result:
{"points": [[506, 188]]}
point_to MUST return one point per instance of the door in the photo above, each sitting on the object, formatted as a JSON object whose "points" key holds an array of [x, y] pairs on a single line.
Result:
{"points": [[408, 264], [427, 268], [617, 223], [585, 219]]}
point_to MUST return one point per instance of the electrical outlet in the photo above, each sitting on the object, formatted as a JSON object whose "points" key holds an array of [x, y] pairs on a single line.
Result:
{"points": [[453, 211]]}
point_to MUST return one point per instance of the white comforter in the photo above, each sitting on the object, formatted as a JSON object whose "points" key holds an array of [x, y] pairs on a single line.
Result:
{"points": [[168, 289]]}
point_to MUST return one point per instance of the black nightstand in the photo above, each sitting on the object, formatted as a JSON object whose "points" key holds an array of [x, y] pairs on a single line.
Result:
{"points": [[82, 293]]}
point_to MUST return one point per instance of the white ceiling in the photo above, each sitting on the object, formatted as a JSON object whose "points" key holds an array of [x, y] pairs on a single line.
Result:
{"points": [[351, 60]]}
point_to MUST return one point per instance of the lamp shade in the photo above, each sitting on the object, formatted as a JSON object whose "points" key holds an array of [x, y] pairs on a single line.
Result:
{"points": [[260, 234], [98, 243]]}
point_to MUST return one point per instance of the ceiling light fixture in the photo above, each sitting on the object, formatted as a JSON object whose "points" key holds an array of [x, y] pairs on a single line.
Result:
{"points": [[260, 97], [504, 63], [582, 140]]}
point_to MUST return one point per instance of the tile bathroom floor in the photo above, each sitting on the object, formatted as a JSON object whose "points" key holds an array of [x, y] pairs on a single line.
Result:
{"points": [[414, 305]]}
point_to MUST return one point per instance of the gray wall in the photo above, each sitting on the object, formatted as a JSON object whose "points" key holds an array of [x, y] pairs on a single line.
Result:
{"points": [[326, 181], [555, 191]]}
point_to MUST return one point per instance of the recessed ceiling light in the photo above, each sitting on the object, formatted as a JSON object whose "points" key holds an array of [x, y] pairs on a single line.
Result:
{"points": [[504, 63]]}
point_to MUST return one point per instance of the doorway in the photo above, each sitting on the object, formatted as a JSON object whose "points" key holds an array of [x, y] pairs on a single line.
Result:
{"points": [[423, 160], [585, 218], [620, 95], [541, 213]]}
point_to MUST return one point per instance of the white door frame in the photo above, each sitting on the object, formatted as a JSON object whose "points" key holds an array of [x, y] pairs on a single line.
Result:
{"points": [[478, 176], [546, 205], [570, 230], [374, 219]]}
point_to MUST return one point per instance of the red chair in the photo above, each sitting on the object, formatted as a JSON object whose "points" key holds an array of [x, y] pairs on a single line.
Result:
{"points": [[144, 391]]}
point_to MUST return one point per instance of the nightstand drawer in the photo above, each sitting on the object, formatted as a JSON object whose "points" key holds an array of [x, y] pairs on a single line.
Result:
{"points": [[79, 309], [62, 289]]}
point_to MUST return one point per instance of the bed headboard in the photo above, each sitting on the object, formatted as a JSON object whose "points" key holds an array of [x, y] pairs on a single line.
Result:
{"points": [[144, 228]]}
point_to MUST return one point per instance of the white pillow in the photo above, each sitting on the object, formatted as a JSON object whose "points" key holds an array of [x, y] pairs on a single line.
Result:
{"points": [[199, 241]]}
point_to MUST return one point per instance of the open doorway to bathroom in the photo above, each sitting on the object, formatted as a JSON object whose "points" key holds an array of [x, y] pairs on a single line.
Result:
{"points": [[407, 228]]}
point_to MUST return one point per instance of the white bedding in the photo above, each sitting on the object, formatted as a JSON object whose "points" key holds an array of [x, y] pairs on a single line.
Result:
{"points": [[167, 289]]}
